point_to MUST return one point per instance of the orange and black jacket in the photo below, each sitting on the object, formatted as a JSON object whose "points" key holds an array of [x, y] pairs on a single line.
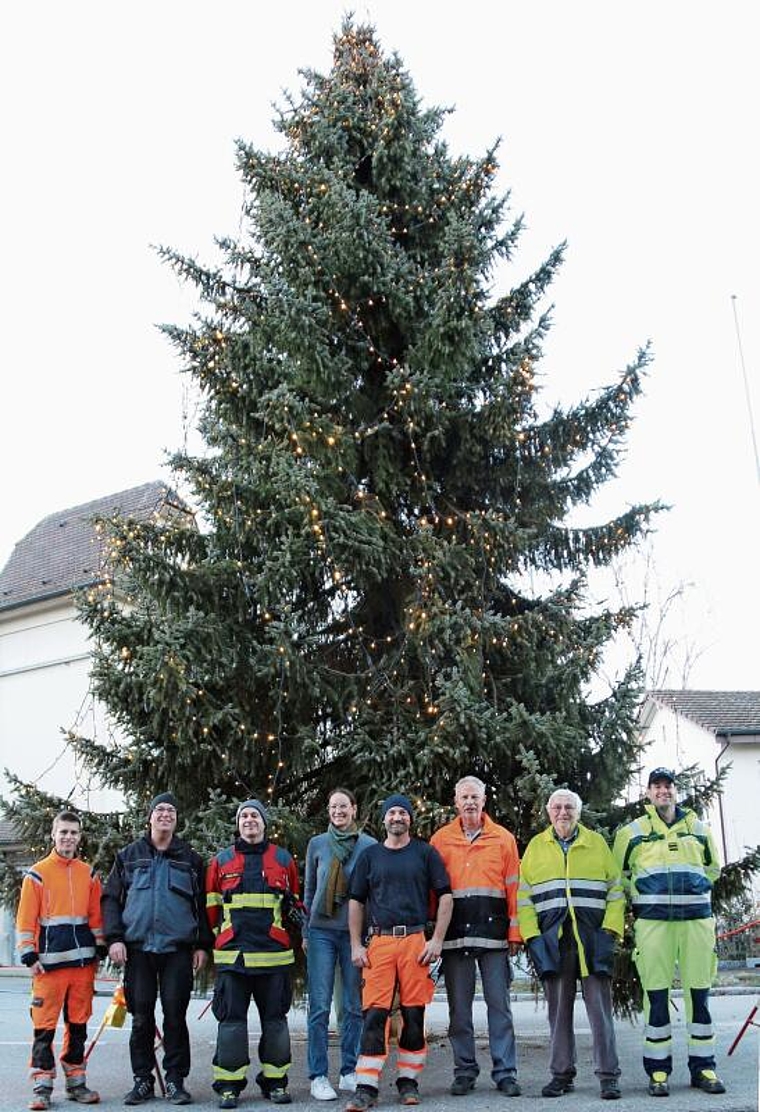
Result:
{"points": [[250, 890], [484, 877], [58, 920]]}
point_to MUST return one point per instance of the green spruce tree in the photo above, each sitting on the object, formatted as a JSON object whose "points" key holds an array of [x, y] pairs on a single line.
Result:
{"points": [[379, 492]]}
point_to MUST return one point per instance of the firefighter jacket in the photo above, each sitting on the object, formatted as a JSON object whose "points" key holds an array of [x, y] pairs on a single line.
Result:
{"points": [[58, 919], [668, 871], [484, 874], [250, 892], [154, 900], [580, 891]]}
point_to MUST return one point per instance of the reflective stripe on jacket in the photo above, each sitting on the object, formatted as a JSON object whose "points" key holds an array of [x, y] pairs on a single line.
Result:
{"points": [[58, 917], [582, 886], [247, 890], [668, 871], [484, 874]]}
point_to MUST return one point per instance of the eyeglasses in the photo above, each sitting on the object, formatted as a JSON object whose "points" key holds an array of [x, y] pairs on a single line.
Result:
{"points": [[164, 811]]}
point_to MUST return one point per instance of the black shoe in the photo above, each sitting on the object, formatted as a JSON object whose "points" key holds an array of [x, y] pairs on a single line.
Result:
{"points": [[228, 1099], [509, 1087], [557, 1087], [658, 1084], [141, 1091], [176, 1093], [408, 1092], [708, 1081], [279, 1095], [460, 1086], [610, 1090]]}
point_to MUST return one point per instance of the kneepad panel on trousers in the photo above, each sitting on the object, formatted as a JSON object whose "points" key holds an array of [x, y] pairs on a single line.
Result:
{"points": [[232, 1045], [373, 1035], [413, 1031]]}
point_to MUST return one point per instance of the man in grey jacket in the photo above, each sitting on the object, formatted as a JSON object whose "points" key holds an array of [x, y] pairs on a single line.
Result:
{"points": [[154, 920]]}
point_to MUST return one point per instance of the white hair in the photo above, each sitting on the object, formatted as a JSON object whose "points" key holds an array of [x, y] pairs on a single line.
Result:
{"points": [[469, 780], [565, 792]]}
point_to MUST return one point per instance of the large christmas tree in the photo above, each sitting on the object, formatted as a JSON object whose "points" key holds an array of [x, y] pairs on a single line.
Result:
{"points": [[379, 496]]}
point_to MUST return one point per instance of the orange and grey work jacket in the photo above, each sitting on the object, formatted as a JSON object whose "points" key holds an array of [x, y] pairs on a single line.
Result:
{"points": [[484, 874], [59, 920]]}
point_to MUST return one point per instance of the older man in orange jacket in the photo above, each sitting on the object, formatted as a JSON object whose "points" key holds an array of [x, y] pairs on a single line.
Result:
{"points": [[483, 863]]}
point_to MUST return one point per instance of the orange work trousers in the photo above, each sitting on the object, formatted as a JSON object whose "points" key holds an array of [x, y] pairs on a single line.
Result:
{"points": [[57, 990]]}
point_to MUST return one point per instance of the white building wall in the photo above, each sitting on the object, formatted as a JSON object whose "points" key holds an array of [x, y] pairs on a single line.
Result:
{"points": [[677, 743], [44, 690], [741, 809]]}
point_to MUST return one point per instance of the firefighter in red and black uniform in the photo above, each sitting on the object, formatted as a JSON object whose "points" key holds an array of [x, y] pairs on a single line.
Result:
{"points": [[251, 897]]}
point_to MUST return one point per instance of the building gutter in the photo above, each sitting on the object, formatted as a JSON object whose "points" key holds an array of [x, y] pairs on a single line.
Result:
{"points": [[727, 742]]}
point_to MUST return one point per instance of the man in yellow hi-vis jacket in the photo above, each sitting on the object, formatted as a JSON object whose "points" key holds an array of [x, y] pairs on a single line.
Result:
{"points": [[669, 864], [570, 908]]}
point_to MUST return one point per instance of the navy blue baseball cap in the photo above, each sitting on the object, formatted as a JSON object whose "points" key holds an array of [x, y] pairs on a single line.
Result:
{"points": [[661, 774]]}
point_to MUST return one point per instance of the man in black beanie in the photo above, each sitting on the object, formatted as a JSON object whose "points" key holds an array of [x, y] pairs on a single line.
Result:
{"points": [[391, 887], [155, 923], [251, 896]]}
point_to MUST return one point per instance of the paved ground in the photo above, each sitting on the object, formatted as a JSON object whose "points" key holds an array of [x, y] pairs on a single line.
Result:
{"points": [[109, 1068]]}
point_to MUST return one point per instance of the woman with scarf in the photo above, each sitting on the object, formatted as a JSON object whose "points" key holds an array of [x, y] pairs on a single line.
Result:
{"points": [[330, 859]]}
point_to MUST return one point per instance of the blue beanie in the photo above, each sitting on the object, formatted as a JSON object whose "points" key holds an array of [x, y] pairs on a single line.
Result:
{"points": [[396, 800], [256, 805]]}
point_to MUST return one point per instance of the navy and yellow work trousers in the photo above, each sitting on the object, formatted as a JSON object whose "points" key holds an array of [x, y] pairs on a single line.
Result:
{"points": [[272, 994]]}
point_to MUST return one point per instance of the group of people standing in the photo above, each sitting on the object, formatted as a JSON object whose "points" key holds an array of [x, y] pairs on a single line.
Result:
{"points": [[377, 919]]}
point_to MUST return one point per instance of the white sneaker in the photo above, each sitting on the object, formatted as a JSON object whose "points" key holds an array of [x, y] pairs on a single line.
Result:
{"points": [[347, 1082], [321, 1089]]}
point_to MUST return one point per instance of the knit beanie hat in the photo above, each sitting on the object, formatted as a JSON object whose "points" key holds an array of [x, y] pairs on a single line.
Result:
{"points": [[164, 797], [251, 803], [396, 800]]}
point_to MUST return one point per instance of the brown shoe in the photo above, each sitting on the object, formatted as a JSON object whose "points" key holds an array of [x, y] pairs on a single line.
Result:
{"points": [[81, 1094], [365, 1097]]}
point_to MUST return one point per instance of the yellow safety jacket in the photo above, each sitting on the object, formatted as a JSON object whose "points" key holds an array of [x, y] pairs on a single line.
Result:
{"points": [[579, 890], [668, 871]]}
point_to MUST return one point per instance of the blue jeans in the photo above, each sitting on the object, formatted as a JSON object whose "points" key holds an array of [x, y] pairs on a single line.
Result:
{"points": [[326, 950]]}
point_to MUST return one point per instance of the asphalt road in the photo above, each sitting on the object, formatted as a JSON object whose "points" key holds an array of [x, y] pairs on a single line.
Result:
{"points": [[109, 1066]]}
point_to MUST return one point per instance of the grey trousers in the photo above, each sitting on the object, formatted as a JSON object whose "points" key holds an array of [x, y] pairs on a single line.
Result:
{"points": [[495, 975], [560, 998]]}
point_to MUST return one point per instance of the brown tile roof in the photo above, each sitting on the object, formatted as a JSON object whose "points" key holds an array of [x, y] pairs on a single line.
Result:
{"points": [[9, 834], [720, 712], [62, 553]]}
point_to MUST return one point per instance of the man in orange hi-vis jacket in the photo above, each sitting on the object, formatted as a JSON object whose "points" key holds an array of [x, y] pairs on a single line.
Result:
{"points": [[482, 860], [60, 937]]}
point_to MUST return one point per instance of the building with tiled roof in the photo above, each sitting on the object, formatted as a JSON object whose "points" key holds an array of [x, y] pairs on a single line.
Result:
{"points": [[62, 552], [45, 651], [711, 731]]}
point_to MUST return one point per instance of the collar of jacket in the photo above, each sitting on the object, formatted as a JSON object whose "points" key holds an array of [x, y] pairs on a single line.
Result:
{"points": [[455, 828], [581, 838], [246, 847], [174, 849], [681, 813], [59, 859]]}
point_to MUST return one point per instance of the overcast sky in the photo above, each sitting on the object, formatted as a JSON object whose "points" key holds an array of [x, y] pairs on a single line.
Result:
{"points": [[628, 129]]}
